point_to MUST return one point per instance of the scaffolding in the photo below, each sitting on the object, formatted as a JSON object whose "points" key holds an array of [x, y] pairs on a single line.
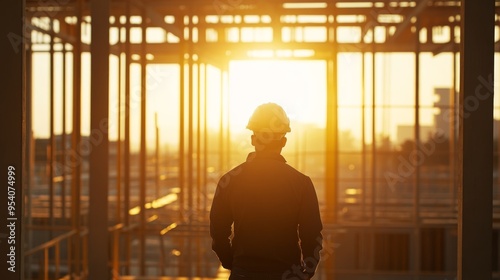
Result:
{"points": [[146, 209]]}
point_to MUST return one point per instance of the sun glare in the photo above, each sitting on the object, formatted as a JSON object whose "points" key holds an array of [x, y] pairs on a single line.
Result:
{"points": [[298, 86]]}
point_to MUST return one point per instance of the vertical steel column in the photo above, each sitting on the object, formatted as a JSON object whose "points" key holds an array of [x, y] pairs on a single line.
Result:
{"points": [[182, 89], [116, 237], [199, 256], [12, 123], [205, 140], [363, 134], [276, 25], [453, 133], [157, 158], [373, 182], [30, 151], [302, 156], [331, 159], [476, 140], [297, 135], [205, 150], [52, 145], [416, 186], [190, 168], [228, 116], [221, 124], [99, 156], [126, 140], [143, 151], [63, 136], [374, 140], [330, 192], [119, 133], [198, 141], [75, 141]]}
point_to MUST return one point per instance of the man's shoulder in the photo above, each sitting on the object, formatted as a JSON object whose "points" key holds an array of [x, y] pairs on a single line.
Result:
{"points": [[234, 171], [292, 170]]}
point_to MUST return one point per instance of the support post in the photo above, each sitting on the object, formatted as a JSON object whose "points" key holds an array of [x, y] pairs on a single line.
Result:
{"points": [[476, 140], [221, 124], [98, 166], [182, 89], [52, 146], [373, 182], [126, 141], [331, 159], [363, 134], [227, 102], [198, 140], [76, 158], [63, 136], [182, 115], [227, 161], [331, 140], [416, 181], [29, 157], [119, 135], [12, 124], [205, 140], [453, 132], [157, 157], [143, 152], [190, 164]]}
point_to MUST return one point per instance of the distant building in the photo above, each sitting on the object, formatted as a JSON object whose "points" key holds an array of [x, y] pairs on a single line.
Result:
{"points": [[407, 132], [444, 118]]}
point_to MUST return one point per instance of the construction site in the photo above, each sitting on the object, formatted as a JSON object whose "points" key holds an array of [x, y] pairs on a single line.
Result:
{"points": [[120, 116]]}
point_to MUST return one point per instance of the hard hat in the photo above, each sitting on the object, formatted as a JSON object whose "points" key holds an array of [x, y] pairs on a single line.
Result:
{"points": [[270, 118]]}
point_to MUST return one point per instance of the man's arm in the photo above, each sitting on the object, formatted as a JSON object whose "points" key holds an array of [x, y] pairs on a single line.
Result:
{"points": [[220, 225], [310, 227]]}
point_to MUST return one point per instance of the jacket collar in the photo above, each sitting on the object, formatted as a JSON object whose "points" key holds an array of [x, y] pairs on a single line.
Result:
{"points": [[265, 156]]}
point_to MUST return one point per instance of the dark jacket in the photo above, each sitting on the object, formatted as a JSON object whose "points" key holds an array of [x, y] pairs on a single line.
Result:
{"points": [[272, 205]]}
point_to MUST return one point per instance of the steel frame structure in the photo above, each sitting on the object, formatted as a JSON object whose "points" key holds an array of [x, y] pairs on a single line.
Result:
{"points": [[198, 33]]}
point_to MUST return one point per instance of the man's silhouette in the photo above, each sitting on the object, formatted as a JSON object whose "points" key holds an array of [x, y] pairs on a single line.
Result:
{"points": [[272, 207]]}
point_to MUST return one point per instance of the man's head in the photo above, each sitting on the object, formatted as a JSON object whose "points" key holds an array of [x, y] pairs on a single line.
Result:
{"points": [[269, 124]]}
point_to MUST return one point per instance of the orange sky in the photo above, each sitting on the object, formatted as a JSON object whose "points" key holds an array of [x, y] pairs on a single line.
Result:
{"points": [[299, 86]]}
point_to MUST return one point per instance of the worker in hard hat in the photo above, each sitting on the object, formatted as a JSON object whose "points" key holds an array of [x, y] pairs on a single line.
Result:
{"points": [[272, 207]]}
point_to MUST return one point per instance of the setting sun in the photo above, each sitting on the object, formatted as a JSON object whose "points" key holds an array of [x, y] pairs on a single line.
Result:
{"points": [[299, 86]]}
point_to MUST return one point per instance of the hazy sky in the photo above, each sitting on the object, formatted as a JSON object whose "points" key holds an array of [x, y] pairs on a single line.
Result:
{"points": [[299, 86]]}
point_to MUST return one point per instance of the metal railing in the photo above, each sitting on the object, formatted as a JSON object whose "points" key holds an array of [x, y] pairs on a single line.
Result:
{"points": [[163, 257], [116, 232], [55, 244]]}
